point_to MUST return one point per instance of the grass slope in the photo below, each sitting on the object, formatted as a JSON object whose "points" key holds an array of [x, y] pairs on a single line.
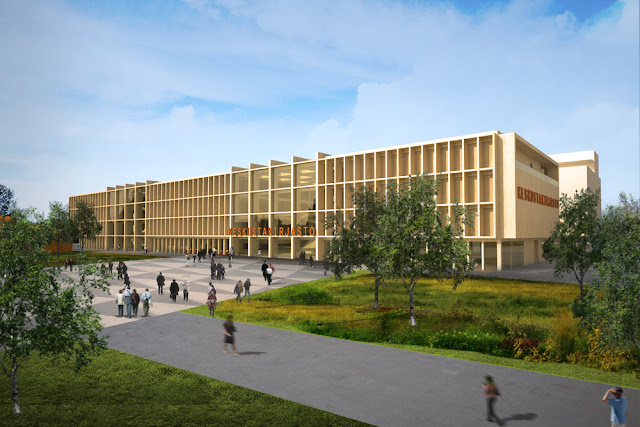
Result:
{"points": [[477, 317], [121, 389]]}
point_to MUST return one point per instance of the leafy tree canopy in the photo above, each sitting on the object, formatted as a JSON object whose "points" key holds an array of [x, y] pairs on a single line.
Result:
{"points": [[39, 311], [7, 201], [575, 242]]}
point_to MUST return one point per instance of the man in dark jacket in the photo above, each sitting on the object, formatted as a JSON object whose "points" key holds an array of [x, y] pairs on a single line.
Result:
{"points": [[174, 289], [264, 270], [160, 280]]}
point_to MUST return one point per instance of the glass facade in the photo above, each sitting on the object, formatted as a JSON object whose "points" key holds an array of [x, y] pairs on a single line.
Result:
{"points": [[260, 203]]}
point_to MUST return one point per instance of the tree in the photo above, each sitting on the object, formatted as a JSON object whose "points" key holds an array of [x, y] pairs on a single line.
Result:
{"points": [[39, 311], [612, 301], [358, 242], [85, 224], [417, 240], [61, 225], [7, 202], [574, 244]]}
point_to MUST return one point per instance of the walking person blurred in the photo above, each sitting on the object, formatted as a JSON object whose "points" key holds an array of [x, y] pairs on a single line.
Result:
{"points": [[160, 280], [146, 301], [619, 407], [136, 302], [490, 389], [120, 303], [128, 300], [212, 301], [185, 291], [229, 330], [174, 290], [264, 269], [238, 291], [247, 289]]}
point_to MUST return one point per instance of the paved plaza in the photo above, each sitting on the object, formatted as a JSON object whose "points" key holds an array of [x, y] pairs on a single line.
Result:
{"points": [[143, 275], [379, 385]]}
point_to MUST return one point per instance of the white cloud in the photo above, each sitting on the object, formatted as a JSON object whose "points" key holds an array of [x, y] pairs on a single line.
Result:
{"points": [[93, 102]]}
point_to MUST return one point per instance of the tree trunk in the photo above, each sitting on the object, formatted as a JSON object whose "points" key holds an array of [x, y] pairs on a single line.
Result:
{"points": [[14, 390], [412, 312], [375, 301]]}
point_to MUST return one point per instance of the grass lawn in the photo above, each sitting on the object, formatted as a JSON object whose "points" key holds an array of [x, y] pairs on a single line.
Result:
{"points": [[97, 256], [120, 389], [474, 322]]}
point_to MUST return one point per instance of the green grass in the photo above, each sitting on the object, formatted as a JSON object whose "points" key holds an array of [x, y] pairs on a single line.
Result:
{"points": [[119, 389], [96, 257], [475, 322]]}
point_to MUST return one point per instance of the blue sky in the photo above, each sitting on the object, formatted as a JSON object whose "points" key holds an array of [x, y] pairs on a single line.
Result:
{"points": [[96, 94]]}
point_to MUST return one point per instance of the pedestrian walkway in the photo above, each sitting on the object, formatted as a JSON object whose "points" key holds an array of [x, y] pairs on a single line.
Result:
{"points": [[143, 274], [378, 385]]}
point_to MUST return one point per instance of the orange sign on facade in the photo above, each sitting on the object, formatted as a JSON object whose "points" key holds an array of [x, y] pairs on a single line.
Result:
{"points": [[541, 199], [273, 231]]}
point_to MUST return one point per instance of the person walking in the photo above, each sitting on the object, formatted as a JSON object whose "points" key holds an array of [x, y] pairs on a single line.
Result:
{"points": [[229, 330], [174, 289], [127, 281], [119, 270], [230, 257], [264, 269], [160, 280], [212, 301], [128, 300], [111, 267], [185, 291], [232, 252], [66, 263], [259, 253], [146, 301], [311, 261], [136, 302], [124, 268], [238, 291], [247, 289], [213, 269], [490, 389], [619, 407], [71, 264], [120, 303]]}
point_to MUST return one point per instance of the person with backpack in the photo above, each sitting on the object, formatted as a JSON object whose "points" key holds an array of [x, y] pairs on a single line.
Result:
{"points": [[136, 301], [238, 291], [128, 300], [490, 389], [247, 289]]}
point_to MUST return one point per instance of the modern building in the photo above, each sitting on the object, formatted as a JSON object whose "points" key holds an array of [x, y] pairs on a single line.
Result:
{"points": [[578, 171], [280, 208]]}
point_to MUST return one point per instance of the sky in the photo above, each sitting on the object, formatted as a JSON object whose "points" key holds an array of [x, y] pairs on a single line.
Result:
{"points": [[95, 94]]}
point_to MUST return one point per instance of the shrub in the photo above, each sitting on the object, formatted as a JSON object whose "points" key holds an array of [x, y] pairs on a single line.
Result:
{"points": [[304, 295]]}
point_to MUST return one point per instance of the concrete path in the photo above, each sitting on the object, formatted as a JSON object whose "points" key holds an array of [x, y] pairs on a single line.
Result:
{"points": [[378, 385]]}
